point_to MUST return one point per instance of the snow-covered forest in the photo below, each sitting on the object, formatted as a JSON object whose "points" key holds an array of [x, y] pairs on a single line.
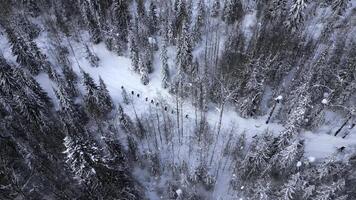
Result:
{"points": [[178, 99]]}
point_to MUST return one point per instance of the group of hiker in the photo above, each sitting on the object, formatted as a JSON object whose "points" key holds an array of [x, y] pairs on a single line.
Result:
{"points": [[153, 102]]}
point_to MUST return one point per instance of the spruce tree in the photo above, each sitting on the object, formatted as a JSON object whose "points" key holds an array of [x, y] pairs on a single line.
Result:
{"points": [[339, 6], [232, 11], [124, 95], [153, 18], [121, 20], [296, 14], [184, 52], [93, 59], [91, 96], [165, 68], [104, 98], [199, 22], [134, 51], [216, 8]]}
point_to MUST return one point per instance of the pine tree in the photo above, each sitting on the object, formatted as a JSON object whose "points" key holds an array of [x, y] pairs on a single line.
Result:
{"points": [[31, 7], [296, 14], [24, 79], [124, 95], [256, 161], [91, 97], [339, 6], [335, 190], [91, 21], [200, 21], [26, 27], [165, 67], [27, 52], [262, 189], [93, 59], [143, 72], [285, 161], [69, 112], [153, 19], [292, 188], [180, 17], [70, 80], [141, 11], [134, 51], [184, 53], [277, 9], [216, 8], [104, 99], [8, 83], [80, 157], [232, 11], [121, 21]]}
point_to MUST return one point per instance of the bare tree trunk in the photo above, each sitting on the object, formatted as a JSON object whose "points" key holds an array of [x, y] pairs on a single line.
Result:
{"points": [[177, 116], [271, 113], [218, 130], [342, 126], [159, 128]]}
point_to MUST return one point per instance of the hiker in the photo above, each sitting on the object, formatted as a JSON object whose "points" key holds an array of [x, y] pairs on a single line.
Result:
{"points": [[132, 92], [186, 116], [341, 149], [165, 108], [152, 101], [138, 95], [146, 99]]}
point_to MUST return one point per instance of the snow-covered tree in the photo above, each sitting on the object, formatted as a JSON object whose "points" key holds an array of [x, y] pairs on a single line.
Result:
{"points": [[335, 190], [133, 39], [153, 18], [339, 6], [184, 58], [215, 11], [93, 59], [232, 11], [285, 161], [256, 162], [292, 188], [121, 19], [104, 99], [296, 14], [164, 66], [199, 22], [27, 52], [124, 95]]}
